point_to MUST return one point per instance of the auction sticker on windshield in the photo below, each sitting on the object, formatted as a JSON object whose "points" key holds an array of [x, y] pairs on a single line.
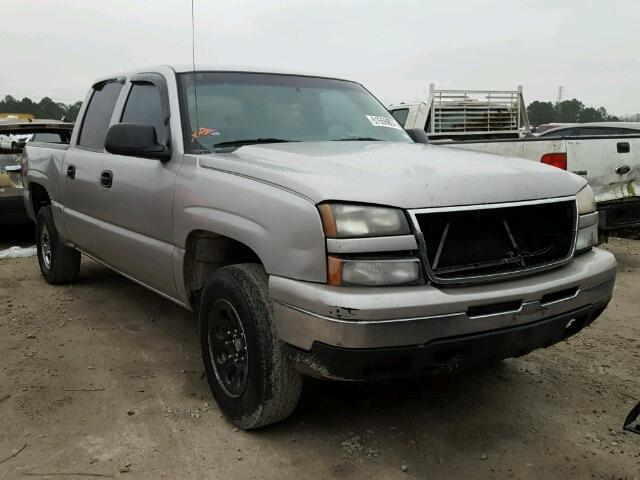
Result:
{"points": [[378, 121], [203, 132]]}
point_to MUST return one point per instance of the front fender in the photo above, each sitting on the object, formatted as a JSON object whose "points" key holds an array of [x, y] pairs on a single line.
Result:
{"points": [[281, 227]]}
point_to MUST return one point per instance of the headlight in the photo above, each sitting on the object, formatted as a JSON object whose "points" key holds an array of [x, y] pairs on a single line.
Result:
{"points": [[586, 201], [587, 238], [588, 220], [373, 272], [348, 221]]}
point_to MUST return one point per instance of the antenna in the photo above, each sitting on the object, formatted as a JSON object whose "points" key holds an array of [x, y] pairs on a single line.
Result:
{"points": [[193, 62], [559, 104], [560, 94]]}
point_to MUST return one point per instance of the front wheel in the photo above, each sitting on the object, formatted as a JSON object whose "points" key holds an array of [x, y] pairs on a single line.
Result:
{"points": [[58, 263], [250, 377]]}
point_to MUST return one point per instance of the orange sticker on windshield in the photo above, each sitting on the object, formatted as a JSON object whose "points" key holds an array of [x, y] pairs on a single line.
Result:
{"points": [[203, 132]]}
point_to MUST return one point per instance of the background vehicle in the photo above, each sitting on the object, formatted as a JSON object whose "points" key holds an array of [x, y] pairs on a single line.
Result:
{"points": [[606, 154], [14, 133], [593, 129], [466, 114], [311, 234]]}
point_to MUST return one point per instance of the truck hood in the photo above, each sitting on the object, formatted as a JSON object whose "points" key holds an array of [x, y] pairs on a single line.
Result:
{"points": [[405, 175]]}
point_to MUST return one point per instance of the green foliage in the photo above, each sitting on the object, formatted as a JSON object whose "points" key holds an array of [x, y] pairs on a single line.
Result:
{"points": [[45, 108], [541, 112], [568, 111]]}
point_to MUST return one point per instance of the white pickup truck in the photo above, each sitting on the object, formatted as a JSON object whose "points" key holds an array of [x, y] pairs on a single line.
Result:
{"points": [[496, 122]]}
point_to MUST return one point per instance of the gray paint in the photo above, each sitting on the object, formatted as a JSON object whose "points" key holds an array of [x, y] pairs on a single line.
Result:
{"points": [[374, 317], [265, 197], [404, 175]]}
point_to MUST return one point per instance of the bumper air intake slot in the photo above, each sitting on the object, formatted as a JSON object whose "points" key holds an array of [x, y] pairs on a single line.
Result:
{"points": [[494, 308], [559, 295]]}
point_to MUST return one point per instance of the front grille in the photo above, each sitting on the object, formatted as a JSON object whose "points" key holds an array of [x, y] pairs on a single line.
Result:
{"points": [[464, 245]]}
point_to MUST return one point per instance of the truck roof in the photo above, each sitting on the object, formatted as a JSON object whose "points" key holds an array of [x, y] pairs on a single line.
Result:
{"points": [[549, 128], [22, 124], [185, 68]]}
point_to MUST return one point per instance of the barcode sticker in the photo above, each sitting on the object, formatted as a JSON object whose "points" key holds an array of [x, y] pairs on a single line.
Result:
{"points": [[378, 121]]}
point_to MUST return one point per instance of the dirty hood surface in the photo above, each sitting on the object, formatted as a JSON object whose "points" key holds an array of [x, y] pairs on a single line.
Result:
{"points": [[405, 175]]}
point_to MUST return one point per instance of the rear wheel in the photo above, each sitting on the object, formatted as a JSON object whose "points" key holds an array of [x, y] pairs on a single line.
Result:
{"points": [[250, 377], [58, 263]]}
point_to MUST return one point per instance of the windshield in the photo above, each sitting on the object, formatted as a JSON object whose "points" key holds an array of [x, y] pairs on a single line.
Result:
{"points": [[243, 108]]}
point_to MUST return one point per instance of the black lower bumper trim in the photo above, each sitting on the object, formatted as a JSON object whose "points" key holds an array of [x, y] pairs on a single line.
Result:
{"points": [[619, 214], [441, 355], [12, 211]]}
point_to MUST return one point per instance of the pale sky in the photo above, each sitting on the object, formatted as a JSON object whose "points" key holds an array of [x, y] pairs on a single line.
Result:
{"points": [[395, 48]]}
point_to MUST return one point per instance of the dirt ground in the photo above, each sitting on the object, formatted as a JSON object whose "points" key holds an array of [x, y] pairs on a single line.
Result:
{"points": [[104, 378]]}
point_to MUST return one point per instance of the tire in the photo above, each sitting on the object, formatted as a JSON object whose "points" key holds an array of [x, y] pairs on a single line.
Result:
{"points": [[58, 263], [250, 376]]}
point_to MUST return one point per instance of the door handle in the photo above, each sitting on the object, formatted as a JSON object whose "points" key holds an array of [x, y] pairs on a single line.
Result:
{"points": [[71, 171], [623, 147], [106, 178]]}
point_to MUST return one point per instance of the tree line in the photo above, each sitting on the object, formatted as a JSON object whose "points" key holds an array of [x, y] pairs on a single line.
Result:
{"points": [[45, 108], [568, 111]]}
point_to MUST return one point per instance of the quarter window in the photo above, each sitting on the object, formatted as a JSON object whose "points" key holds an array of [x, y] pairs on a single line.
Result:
{"points": [[144, 107], [401, 115], [98, 115]]}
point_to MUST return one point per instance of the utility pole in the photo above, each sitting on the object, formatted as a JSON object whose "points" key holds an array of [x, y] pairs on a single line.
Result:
{"points": [[559, 102]]}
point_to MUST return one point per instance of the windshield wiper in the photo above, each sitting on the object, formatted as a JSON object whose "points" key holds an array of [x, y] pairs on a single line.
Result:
{"points": [[251, 141], [358, 139]]}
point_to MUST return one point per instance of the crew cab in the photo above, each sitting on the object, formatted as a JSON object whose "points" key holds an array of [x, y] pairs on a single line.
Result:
{"points": [[311, 234], [606, 154]]}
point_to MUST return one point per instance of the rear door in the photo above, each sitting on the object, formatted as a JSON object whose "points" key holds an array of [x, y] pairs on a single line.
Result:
{"points": [[80, 176], [611, 164], [138, 197]]}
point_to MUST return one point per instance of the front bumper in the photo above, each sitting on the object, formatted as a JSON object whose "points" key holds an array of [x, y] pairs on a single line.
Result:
{"points": [[443, 355], [306, 314]]}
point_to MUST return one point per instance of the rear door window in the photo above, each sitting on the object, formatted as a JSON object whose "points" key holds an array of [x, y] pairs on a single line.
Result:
{"points": [[144, 107], [597, 131], [564, 132], [98, 115], [401, 115], [47, 137], [588, 131]]}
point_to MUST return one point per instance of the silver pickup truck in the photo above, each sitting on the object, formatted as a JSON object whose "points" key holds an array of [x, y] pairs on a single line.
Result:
{"points": [[311, 234]]}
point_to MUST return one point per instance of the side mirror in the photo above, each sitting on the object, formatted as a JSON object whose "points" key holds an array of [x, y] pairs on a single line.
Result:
{"points": [[417, 135], [135, 140]]}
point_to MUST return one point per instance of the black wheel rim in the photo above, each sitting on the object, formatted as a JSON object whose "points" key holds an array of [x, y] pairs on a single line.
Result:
{"points": [[228, 348]]}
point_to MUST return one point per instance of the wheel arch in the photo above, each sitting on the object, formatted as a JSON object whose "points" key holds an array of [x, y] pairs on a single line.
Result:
{"points": [[205, 252], [39, 197]]}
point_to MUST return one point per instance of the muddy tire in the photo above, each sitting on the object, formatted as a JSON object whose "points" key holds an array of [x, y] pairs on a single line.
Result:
{"points": [[250, 377], [58, 263]]}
